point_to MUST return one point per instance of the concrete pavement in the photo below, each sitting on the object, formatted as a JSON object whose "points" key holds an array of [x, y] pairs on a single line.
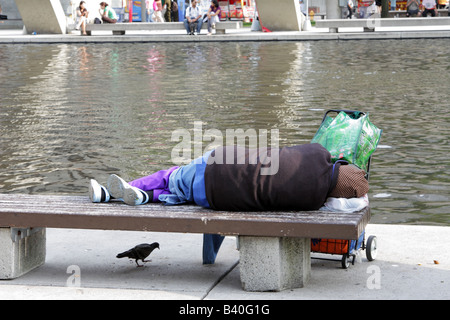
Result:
{"points": [[413, 262]]}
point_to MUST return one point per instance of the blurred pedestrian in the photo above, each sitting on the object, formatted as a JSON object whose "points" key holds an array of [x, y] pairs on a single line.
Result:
{"points": [[429, 8], [412, 8], [213, 16], [82, 15], [108, 14], [193, 21]]}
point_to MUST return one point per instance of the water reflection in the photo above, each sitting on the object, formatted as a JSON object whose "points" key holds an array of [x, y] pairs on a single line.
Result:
{"points": [[72, 112]]}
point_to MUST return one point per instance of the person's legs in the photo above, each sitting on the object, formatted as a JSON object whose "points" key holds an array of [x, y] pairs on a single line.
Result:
{"points": [[108, 20], [181, 184], [157, 182], [186, 26], [83, 26], [150, 15], [158, 16], [194, 27], [209, 26], [199, 25]]}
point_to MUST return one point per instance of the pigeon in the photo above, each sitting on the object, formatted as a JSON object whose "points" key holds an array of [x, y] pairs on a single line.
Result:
{"points": [[140, 252]]}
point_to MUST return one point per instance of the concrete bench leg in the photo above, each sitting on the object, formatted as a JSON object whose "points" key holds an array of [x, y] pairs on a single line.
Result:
{"points": [[21, 250], [274, 264]]}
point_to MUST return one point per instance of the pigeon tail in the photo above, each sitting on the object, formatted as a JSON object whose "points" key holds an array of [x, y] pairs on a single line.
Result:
{"points": [[124, 254]]}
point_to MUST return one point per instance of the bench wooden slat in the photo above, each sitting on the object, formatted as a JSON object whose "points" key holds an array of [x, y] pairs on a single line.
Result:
{"points": [[77, 212]]}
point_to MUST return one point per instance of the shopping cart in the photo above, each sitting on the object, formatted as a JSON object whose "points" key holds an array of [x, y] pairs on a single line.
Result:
{"points": [[349, 249]]}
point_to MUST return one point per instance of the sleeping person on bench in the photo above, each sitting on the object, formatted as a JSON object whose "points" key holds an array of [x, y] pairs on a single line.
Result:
{"points": [[234, 178]]}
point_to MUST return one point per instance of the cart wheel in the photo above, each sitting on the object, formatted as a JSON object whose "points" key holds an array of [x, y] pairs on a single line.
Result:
{"points": [[371, 248], [345, 262]]}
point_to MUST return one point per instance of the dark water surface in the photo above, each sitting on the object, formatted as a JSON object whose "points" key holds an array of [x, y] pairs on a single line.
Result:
{"points": [[73, 112]]}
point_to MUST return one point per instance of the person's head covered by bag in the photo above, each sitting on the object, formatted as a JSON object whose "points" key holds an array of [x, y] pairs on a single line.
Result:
{"points": [[351, 183]]}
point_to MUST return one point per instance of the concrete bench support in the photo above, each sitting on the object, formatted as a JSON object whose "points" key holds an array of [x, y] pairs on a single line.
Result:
{"points": [[21, 250], [274, 264]]}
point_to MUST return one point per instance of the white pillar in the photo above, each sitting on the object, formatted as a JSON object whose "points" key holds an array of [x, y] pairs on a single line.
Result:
{"points": [[42, 16], [333, 10], [279, 15]]}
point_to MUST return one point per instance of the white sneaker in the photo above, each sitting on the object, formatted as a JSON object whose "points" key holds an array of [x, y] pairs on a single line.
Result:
{"points": [[98, 193], [121, 190]]}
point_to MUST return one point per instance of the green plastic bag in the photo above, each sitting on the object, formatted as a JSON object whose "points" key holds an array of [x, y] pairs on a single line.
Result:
{"points": [[349, 137]]}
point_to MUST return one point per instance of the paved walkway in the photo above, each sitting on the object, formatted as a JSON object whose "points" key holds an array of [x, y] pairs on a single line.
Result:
{"points": [[413, 262], [16, 36]]}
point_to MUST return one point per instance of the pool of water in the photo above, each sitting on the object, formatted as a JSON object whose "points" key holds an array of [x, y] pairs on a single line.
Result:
{"points": [[69, 113]]}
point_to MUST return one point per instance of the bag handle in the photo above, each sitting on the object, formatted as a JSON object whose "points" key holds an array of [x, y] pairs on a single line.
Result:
{"points": [[349, 112]]}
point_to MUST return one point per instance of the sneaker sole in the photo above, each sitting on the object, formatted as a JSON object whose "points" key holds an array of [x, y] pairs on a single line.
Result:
{"points": [[120, 189], [95, 191]]}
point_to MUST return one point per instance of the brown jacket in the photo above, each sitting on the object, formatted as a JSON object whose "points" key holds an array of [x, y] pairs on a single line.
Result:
{"points": [[302, 182]]}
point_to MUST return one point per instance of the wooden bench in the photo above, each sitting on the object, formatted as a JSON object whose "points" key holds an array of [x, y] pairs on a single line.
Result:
{"points": [[122, 28], [371, 24], [283, 237]]}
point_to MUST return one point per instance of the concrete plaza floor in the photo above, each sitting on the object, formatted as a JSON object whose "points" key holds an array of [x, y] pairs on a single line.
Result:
{"points": [[413, 262]]}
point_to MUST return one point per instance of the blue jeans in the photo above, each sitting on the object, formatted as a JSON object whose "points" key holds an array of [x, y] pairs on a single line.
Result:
{"points": [[199, 24], [181, 186], [393, 4], [149, 15]]}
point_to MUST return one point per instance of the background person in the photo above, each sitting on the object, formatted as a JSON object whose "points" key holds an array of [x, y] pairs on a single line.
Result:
{"points": [[82, 16], [350, 9], [412, 8], [108, 14], [193, 21], [429, 8], [149, 7], [213, 15], [157, 14]]}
